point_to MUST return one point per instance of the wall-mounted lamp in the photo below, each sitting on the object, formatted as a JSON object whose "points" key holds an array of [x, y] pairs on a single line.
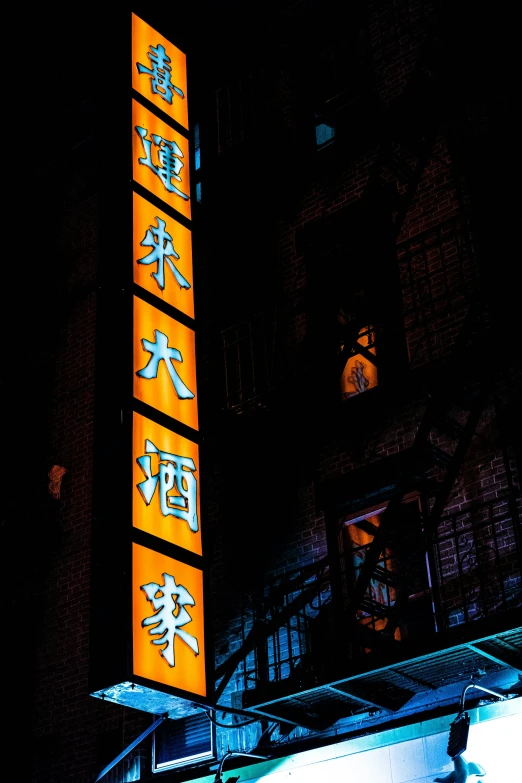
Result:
{"points": [[459, 729], [228, 754]]}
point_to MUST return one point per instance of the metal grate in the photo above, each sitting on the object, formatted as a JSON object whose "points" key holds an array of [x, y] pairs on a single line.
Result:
{"points": [[388, 690], [316, 710], [505, 648], [448, 667]]}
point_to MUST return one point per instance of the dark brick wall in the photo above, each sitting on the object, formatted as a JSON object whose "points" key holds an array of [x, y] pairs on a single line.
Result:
{"points": [[441, 272], [280, 524]]}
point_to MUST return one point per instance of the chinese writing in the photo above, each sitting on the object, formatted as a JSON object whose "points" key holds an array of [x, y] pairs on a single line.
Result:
{"points": [[174, 473], [160, 352], [159, 73], [169, 601], [161, 243], [169, 163]]}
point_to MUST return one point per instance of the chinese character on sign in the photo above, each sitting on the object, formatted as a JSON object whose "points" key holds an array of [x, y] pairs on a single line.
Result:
{"points": [[160, 352], [159, 73], [169, 601], [168, 155], [162, 248], [174, 473]]}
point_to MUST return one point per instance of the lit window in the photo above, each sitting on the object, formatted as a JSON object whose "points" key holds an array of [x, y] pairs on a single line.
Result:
{"points": [[397, 596], [359, 373], [197, 147], [381, 594], [182, 742], [324, 135], [197, 162]]}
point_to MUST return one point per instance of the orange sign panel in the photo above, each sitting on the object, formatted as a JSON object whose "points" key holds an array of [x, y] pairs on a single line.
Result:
{"points": [[164, 361], [165, 484], [162, 254], [167, 621], [160, 159], [159, 71]]}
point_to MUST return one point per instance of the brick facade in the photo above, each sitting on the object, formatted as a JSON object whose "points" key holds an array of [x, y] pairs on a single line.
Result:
{"points": [[293, 447]]}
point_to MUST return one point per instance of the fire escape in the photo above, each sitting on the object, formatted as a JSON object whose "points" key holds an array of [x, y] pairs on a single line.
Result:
{"points": [[359, 668]]}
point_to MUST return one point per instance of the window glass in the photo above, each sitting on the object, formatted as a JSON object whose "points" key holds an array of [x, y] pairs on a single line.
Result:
{"points": [[324, 135], [181, 742], [398, 597], [359, 374]]}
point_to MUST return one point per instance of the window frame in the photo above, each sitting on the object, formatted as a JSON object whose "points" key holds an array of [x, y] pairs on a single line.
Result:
{"points": [[193, 759], [346, 519]]}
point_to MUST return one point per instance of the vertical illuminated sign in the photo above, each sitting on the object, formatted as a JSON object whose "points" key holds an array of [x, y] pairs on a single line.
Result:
{"points": [[148, 647], [168, 645]]}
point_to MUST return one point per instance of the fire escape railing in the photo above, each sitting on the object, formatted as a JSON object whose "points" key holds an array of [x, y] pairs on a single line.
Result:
{"points": [[287, 626], [478, 560], [275, 628]]}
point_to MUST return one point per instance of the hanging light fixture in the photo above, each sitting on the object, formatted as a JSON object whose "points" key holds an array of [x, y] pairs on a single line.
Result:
{"points": [[459, 728]]}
